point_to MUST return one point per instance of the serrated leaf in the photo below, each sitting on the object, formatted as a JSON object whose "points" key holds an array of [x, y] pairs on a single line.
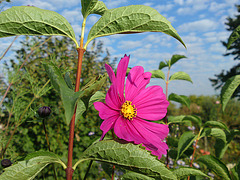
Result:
{"points": [[131, 19], [28, 20], [180, 76], [215, 132], [184, 100], [185, 141], [92, 7], [216, 124], [127, 156], [31, 166], [185, 172], [228, 89], [135, 176], [216, 166], [81, 108], [233, 37], [158, 74]]}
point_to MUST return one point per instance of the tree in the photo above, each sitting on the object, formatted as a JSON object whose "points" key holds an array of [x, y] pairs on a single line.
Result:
{"points": [[234, 50]]}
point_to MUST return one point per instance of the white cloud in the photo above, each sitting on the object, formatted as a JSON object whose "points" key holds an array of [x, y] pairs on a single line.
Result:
{"points": [[163, 8], [215, 7], [199, 26], [114, 3], [129, 44]]}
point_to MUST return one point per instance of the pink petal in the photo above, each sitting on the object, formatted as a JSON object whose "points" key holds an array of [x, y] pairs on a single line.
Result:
{"points": [[120, 77], [151, 103], [108, 124], [105, 111], [136, 81], [112, 98], [110, 72]]}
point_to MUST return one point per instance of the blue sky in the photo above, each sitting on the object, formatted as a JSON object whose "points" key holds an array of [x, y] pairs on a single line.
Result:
{"points": [[200, 23]]}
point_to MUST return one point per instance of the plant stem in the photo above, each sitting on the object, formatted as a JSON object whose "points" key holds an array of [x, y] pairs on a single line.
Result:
{"points": [[45, 130], [8, 48], [69, 170]]}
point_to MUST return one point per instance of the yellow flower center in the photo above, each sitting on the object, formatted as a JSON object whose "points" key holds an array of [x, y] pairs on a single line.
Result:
{"points": [[128, 110]]}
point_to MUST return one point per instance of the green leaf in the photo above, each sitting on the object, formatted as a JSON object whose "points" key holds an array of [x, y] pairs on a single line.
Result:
{"points": [[135, 176], [180, 76], [185, 172], [81, 108], [98, 96], [162, 65], [216, 124], [28, 20], [228, 89], [175, 58], [182, 118], [127, 156], [68, 80], [158, 74], [92, 7], [99, 8], [185, 141], [233, 37], [184, 100], [236, 171], [215, 132], [31, 166], [216, 166], [131, 19], [68, 96]]}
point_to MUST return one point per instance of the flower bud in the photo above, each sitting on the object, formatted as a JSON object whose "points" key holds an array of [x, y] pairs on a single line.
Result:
{"points": [[44, 111], [6, 163]]}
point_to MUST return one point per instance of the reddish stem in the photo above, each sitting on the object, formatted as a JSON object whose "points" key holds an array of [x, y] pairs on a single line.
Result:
{"points": [[69, 170]]}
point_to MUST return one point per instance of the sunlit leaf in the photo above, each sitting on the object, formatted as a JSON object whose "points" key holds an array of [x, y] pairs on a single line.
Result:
{"points": [[236, 171], [180, 76], [216, 124], [127, 156], [185, 172], [28, 20], [185, 141], [135, 176], [92, 7], [162, 65], [215, 132], [184, 100], [30, 166], [175, 58], [216, 166], [131, 19], [182, 118], [158, 74], [228, 89], [234, 36]]}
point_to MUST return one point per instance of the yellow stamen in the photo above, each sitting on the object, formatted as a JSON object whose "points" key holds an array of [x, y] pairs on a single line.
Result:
{"points": [[128, 110]]}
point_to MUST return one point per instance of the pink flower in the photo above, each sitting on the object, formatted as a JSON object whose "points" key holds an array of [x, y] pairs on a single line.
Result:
{"points": [[127, 108]]}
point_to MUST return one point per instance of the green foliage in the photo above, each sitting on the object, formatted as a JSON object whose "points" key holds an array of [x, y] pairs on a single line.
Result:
{"points": [[184, 100], [128, 156], [215, 165], [175, 58], [228, 89], [135, 176], [131, 19], [158, 74], [92, 7], [233, 37], [236, 171], [185, 141], [28, 20], [185, 172], [31, 166], [180, 76]]}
